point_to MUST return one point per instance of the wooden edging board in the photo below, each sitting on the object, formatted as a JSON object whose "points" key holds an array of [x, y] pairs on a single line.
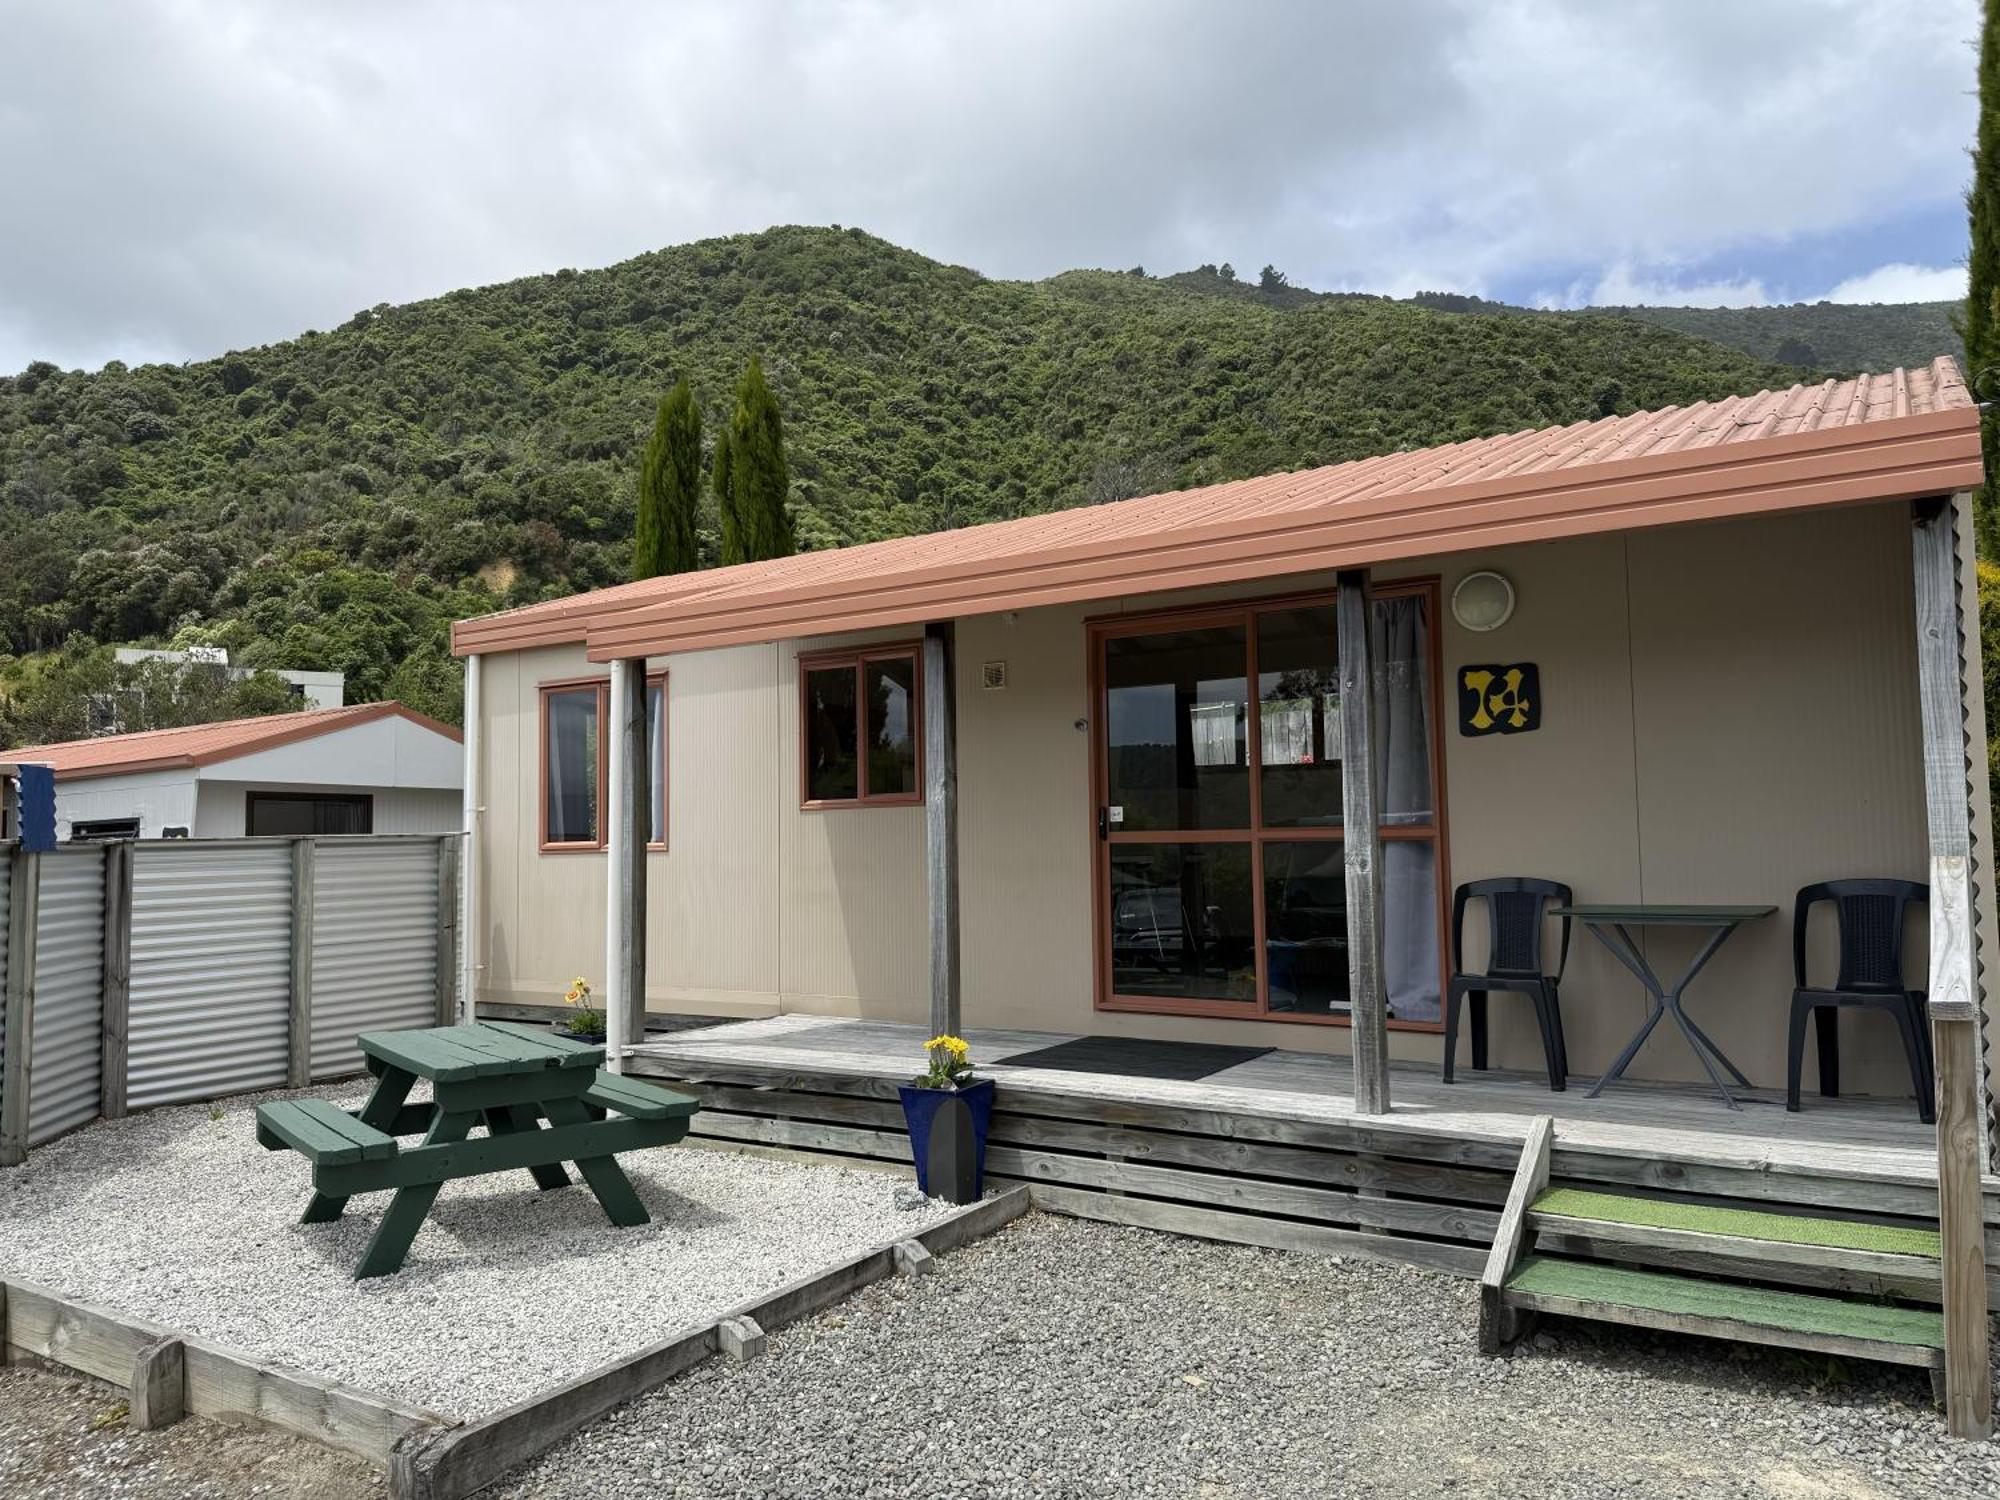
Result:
{"points": [[449, 1463], [36, 1324]]}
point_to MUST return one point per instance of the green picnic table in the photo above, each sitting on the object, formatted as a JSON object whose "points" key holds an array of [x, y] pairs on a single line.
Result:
{"points": [[509, 1078]]}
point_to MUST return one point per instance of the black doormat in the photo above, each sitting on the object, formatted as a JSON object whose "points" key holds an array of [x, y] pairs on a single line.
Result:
{"points": [[1125, 1057]]}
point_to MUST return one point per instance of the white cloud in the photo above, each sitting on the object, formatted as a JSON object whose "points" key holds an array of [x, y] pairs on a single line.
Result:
{"points": [[1625, 286], [193, 175], [1902, 283]]}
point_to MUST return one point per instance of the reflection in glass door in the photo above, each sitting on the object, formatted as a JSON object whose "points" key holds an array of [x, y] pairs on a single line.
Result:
{"points": [[1221, 878], [1176, 816]]}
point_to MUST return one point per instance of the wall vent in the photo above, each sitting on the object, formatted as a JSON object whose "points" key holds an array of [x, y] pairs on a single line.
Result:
{"points": [[993, 675]]}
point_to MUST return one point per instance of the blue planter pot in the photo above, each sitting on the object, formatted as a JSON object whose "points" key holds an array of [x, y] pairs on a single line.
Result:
{"points": [[948, 1138]]}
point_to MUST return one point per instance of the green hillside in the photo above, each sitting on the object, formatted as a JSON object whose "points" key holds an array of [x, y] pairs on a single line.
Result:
{"points": [[335, 500], [1847, 337], [1821, 336]]}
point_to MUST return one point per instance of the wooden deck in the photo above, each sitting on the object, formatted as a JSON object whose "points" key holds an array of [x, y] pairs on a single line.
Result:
{"points": [[1676, 1118], [1269, 1151]]}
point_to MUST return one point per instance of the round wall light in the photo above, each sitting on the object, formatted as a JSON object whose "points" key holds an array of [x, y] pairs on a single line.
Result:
{"points": [[1482, 601]]}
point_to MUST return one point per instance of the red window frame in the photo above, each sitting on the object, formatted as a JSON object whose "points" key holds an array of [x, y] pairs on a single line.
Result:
{"points": [[1437, 832], [859, 657], [543, 691]]}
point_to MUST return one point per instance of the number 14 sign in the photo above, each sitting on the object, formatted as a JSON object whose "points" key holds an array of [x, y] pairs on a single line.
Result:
{"points": [[1499, 699]]}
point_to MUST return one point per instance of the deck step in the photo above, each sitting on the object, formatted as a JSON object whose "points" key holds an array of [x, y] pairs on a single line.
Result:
{"points": [[1727, 1310], [1615, 1216]]}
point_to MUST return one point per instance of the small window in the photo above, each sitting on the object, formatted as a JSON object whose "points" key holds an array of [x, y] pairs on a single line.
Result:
{"points": [[859, 728], [576, 762], [299, 814], [573, 767], [97, 830]]}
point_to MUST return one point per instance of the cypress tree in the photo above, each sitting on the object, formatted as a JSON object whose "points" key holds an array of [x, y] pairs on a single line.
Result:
{"points": [[722, 483], [670, 489], [759, 479], [1980, 323]]}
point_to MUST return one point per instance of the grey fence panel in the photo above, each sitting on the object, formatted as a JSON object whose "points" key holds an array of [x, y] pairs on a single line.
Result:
{"points": [[69, 1002], [374, 950], [211, 970]]}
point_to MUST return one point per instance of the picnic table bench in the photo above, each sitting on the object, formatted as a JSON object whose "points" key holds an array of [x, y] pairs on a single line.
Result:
{"points": [[508, 1078]]}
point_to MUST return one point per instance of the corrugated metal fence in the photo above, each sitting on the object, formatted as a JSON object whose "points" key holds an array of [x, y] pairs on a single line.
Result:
{"points": [[209, 1007], [164, 971], [375, 949], [68, 1025]]}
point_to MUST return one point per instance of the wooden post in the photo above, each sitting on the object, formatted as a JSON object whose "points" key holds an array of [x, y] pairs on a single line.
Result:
{"points": [[159, 1386], [1954, 994], [117, 979], [629, 824], [468, 874], [447, 929], [298, 1067], [1361, 838], [23, 921], [941, 826]]}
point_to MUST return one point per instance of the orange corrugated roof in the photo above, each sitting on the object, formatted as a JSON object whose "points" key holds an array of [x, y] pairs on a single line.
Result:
{"points": [[1876, 437], [205, 744]]}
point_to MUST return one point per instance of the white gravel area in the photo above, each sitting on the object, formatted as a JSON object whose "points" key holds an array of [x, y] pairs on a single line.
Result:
{"points": [[1061, 1360], [179, 1216]]}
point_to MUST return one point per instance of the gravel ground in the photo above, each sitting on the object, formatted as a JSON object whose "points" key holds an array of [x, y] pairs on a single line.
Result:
{"points": [[61, 1436], [1062, 1359], [179, 1216]]}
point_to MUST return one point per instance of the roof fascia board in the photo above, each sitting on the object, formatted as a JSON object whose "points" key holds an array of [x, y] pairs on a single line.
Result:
{"points": [[1593, 502], [1539, 488]]}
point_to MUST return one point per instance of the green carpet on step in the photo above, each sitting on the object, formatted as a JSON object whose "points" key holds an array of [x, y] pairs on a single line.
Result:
{"points": [[1792, 1229], [1695, 1297]]}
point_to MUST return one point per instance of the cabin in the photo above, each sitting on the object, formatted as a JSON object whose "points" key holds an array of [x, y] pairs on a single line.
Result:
{"points": [[362, 768], [1181, 810]]}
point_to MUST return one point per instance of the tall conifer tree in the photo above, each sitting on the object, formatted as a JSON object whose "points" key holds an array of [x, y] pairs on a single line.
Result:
{"points": [[721, 482], [670, 489], [1981, 323], [759, 479]]}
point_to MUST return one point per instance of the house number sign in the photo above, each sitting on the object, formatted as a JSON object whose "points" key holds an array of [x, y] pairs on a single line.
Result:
{"points": [[1499, 699]]}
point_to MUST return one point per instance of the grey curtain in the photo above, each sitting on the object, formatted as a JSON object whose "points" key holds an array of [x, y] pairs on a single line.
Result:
{"points": [[1409, 867]]}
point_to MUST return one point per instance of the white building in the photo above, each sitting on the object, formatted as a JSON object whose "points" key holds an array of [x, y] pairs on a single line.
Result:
{"points": [[370, 768], [318, 689]]}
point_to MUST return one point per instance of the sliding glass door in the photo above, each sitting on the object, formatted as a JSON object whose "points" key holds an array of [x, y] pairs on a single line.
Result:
{"points": [[1218, 765]]}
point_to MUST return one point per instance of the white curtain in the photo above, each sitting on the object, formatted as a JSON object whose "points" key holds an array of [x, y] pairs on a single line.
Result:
{"points": [[1409, 867]]}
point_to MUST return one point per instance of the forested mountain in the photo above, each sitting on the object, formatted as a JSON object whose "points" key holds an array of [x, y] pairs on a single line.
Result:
{"points": [[335, 500], [1847, 337], [1836, 337]]}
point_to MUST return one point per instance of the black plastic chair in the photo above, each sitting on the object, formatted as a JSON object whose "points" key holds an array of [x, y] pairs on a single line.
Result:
{"points": [[1870, 914], [1515, 908]]}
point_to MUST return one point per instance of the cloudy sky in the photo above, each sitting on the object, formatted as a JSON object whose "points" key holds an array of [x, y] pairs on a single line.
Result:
{"points": [[181, 177]]}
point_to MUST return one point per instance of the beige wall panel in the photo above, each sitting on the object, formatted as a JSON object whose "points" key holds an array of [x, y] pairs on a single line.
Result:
{"points": [[852, 922], [712, 917], [506, 845], [712, 897], [1025, 838], [1558, 802], [544, 912], [1775, 663]]}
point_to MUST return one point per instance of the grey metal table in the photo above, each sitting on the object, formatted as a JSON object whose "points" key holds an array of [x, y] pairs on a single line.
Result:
{"points": [[1611, 926]]}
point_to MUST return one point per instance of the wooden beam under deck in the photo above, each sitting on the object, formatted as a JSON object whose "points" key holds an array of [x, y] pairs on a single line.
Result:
{"points": [[1271, 1152]]}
